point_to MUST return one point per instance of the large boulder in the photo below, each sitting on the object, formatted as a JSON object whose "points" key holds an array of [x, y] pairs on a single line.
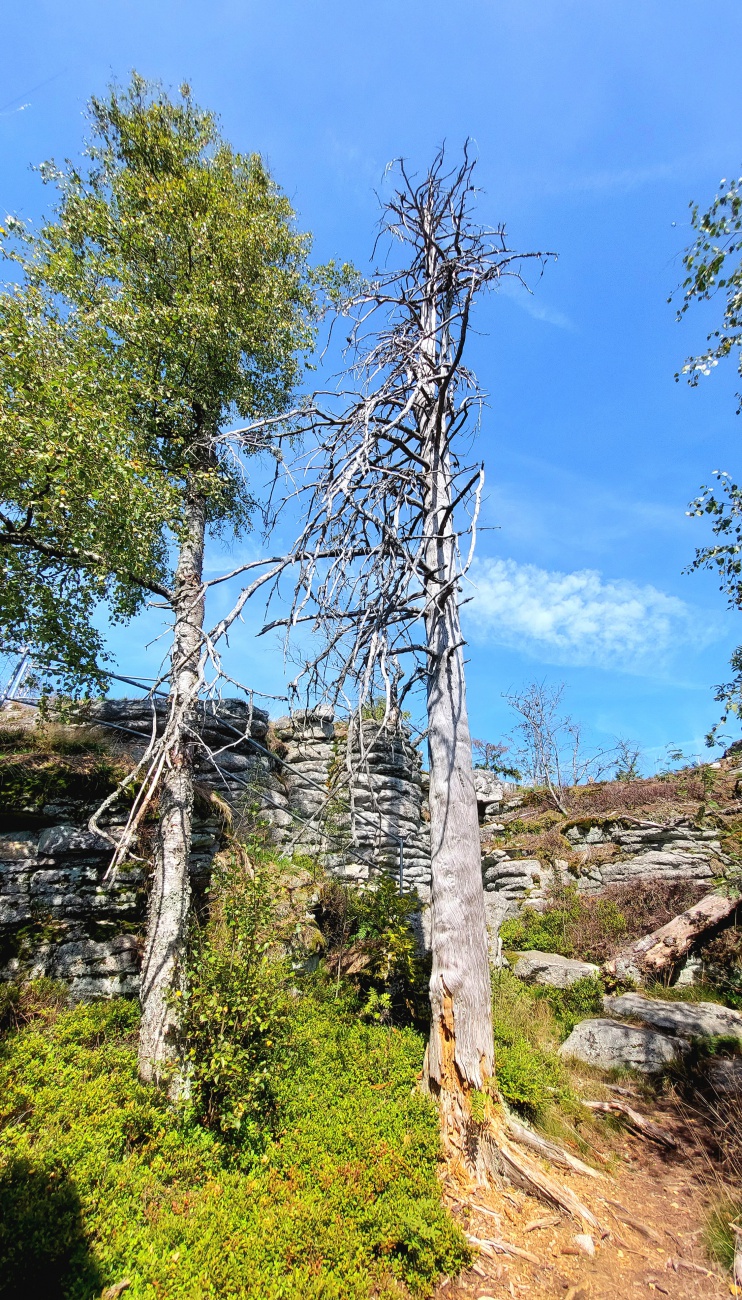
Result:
{"points": [[724, 1074], [612, 1045], [689, 1019], [551, 968], [490, 788]]}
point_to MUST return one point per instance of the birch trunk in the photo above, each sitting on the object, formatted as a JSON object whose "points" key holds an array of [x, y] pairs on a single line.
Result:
{"points": [[163, 967]]}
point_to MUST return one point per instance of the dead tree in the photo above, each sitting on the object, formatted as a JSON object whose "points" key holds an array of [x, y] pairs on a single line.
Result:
{"points": [[391, 503], [548, 744]]}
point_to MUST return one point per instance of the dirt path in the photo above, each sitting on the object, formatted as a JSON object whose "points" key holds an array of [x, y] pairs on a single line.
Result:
{"points": [[651, 1208]]}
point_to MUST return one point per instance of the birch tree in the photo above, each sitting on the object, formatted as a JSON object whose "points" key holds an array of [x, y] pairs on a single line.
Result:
{"points": [[173, 297], [391, 499], [714, 270]]}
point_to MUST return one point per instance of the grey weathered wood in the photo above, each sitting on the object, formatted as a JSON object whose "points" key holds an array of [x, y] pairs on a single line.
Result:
{"points": [[391, 510]]}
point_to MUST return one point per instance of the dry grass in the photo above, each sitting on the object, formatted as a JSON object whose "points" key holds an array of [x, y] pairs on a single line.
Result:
{"points": [[674, 793]]}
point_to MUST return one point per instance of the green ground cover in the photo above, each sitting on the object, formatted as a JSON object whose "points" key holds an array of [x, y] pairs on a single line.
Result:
{"points": [[100, 1181]]}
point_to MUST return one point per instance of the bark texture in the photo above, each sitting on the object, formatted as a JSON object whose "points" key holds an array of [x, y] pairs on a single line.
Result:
{"points": [[163, 967], [460, 996], [460, 993]]}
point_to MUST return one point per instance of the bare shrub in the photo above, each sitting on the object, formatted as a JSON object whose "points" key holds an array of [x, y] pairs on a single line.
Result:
{"points": [[625, 796]]}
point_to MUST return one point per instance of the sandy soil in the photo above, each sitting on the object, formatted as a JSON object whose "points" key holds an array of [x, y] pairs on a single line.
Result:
{"points": [[651, 1207]]}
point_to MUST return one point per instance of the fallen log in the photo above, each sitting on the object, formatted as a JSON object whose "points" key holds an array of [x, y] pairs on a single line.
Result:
{"points": [[652, 955]]}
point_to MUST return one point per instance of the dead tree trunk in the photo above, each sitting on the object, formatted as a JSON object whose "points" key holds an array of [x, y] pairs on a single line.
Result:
{"points": [[461, 1049], [380, 569], [163, 967], [461, 1053]]}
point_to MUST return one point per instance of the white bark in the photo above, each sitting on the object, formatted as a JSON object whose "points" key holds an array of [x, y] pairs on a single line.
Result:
{"points": [[163, 967], [460, 994]]}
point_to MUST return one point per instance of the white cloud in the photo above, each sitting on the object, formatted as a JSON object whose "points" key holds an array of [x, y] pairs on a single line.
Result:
{"points": [[579, 618], [530, 303]]}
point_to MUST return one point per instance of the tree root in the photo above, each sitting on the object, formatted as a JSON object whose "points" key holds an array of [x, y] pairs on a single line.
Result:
{"points": [[482, 1150], [548, 1150], [494, 1246], [498, 1159], [646, 1127]]}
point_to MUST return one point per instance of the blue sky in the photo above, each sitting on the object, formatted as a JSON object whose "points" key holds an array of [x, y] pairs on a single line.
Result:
{"points": [[595, 124]]}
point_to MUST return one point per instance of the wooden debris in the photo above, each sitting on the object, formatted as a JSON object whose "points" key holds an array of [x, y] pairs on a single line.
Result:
{"points": [[483, 1209], [551, 1221], [622, 1092], [665, 947], [676, 1262], [646, 1127], [631, 1222], [493, 1245]]}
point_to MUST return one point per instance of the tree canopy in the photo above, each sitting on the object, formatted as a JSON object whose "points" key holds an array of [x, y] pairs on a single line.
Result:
{"points": [[714, 266], [168, 295]]}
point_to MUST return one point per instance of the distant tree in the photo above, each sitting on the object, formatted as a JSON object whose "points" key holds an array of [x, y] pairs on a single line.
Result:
{"points": [[627, 761], [169, 295], [548, 744], [488, 756], [714, 266]]}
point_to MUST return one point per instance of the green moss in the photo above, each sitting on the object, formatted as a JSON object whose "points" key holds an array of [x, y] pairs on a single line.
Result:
{"points": [[101, 1181], [28, 781]]}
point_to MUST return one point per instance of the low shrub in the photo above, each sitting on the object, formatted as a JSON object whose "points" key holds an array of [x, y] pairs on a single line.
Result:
{"points": [[237, 1009], [596, 927], [529, 1074], [369, 938], [580, 1001], [722, 964], [101, 1181]]}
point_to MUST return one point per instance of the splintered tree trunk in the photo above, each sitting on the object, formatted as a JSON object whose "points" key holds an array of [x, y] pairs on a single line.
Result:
{"points": [[461, 1048], [163, 967], [461, 1054]]}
